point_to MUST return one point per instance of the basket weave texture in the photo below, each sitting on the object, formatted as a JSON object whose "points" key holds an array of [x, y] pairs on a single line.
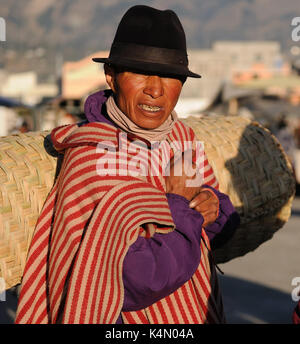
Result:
{"points": [[26, 177], [253, 170], [247, 160]]}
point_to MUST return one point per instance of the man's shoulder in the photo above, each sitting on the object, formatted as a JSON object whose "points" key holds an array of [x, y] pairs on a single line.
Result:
{"points": [[79, 134]]}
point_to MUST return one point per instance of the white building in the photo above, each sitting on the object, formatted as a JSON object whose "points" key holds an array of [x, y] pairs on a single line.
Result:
{"points": [[25, 88], [220, 64]]}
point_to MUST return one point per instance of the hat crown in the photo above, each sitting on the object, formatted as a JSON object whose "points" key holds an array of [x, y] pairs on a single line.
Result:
{"points": [[147, 26], [152, 41]]}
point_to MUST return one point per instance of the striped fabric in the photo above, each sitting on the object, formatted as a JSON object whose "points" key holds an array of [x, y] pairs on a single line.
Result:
{"points": [[73, 272]]}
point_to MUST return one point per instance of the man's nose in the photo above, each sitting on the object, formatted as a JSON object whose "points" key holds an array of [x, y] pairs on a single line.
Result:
{"points": [[154, 86]]}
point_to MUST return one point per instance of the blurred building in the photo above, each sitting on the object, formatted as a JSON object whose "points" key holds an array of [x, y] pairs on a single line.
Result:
{"points": [[234, 62], [14, 117], [80, 78], [244, 55], [197, 94], [26, 88]]}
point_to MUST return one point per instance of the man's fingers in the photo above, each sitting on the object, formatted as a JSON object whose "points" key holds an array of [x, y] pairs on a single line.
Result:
{"points": [[209, 218], [210, 202], [212, 213], [207, 205], [200, 198], [207, 208]]}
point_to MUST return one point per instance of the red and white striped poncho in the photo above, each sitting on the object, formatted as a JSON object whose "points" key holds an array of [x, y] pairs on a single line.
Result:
{"points": [[73, 272]]}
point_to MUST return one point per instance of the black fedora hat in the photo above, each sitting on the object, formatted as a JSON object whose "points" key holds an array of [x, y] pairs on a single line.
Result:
{"points": [[150, 40]]}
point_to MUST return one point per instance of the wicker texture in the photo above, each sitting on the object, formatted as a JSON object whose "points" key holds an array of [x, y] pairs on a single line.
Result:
{"points": [[247, 160], [26, 176], [253, 170]]}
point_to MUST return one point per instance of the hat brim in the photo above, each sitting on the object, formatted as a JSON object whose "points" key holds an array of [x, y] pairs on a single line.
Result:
{"points": [[150, 67]]}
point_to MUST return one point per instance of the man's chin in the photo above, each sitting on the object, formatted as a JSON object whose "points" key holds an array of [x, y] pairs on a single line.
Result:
{"points": [[150, 126]]}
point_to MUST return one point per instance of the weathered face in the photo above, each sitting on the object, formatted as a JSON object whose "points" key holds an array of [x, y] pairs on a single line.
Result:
{"points": [[146, 99]]}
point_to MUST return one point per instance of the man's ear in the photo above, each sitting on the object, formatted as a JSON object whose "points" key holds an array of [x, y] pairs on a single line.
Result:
{"points": [[110, 76]]}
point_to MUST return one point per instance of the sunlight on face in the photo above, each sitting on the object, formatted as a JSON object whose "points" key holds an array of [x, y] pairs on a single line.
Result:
{"points": [[147, 100]]}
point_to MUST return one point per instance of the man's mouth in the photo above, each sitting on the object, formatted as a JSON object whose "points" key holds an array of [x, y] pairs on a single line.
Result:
{"points": [[150, 108]]}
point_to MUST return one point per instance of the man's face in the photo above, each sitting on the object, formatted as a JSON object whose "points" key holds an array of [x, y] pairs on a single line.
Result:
{"points": [[146, 99]]}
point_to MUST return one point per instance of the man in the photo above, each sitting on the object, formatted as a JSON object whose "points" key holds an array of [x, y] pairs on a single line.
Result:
{"points": [[119, 240]]}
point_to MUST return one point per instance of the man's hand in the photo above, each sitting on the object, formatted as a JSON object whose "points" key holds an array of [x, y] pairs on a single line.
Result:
{"points": [[180, 175], [202, 200], [206, 203]]}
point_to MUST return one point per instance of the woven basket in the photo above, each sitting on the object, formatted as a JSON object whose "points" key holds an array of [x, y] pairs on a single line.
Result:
{"points": [[254, 171], [26, 176], [248, 162]]}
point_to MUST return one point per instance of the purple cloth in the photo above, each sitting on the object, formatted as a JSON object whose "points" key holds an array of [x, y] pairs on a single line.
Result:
{"points": [[154, 268], [95, 108], [225, 225], [171, 259]]}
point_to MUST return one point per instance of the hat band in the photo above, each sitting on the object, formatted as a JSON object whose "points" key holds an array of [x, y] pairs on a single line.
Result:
{"points": [[145, 53]]}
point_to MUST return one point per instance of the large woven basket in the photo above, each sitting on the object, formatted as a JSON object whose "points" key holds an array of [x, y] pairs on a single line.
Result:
{"points": [[26, 176], [254, 171], [248, 162]]}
